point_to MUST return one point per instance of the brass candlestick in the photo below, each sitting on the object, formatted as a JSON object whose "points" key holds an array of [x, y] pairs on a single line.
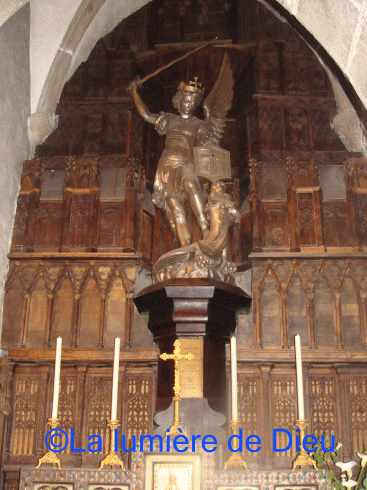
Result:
{"points": [[235, 458], [303, 458], [50, 457], [112, 459]]}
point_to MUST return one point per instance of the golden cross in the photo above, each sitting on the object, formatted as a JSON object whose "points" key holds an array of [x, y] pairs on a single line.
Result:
{"points": [[196, 84], [177, 356]]}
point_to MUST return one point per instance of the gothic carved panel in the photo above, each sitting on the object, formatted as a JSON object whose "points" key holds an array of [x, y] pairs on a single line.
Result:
{"points": [[306, 218], [276, 225], [283, 392], [356, 391], [249, 400], [111, 228], [48, 226], [323, 406], [297, 128], [269, 118], [138, 403]]}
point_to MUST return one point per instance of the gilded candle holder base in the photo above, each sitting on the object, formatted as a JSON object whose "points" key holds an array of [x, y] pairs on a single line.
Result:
{"points": [[235, 459], [50, 457], [112, 459], [303, 458]]}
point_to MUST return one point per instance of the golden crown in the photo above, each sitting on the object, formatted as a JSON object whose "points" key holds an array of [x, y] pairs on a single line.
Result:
{"points": [[194, 87]]}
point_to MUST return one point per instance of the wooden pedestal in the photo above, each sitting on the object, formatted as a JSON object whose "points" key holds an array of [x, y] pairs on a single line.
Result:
{"points": [[193, 308]]}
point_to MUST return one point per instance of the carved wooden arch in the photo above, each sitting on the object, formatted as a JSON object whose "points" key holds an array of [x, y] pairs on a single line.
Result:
{"points": [[44, 119]]}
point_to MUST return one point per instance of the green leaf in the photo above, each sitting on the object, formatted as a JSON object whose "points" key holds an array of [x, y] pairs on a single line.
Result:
{"points": [[364, 483], [318, 459]]}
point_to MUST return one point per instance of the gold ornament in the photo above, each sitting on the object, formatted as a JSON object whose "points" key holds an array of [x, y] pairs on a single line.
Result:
{"points": [[235, 458], [303, 458], [176, 428], [50, 457], [112, 459]]}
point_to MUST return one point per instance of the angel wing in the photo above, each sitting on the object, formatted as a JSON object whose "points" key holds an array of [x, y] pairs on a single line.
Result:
{"points": [[219, 101]]}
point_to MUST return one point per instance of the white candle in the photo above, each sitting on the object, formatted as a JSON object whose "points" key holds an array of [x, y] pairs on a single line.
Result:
{"points": [[115, 379], [55, 401], [301, 402], [234, 377]]}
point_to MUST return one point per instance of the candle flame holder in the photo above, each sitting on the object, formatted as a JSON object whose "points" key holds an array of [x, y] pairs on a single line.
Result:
{"points": [[303, 458], [112, 459], [50, 457], [235, 458]]}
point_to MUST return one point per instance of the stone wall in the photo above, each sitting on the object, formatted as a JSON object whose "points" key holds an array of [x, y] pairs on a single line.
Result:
{"points": [[15, 108]]}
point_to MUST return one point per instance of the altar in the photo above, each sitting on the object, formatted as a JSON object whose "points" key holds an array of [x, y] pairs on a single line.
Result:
{"points": [[151, 471]]}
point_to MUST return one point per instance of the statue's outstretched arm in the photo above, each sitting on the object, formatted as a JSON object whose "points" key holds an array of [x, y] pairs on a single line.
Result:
{"points": [[141, 107]]}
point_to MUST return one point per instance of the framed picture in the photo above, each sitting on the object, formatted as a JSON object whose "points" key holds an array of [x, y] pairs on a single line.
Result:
{"points": [[172, 472], [53, 486], [295, 487], [108, 487], [241, 487]]}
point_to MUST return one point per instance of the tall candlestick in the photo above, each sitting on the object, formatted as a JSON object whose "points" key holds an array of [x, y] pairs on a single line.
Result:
{"points": [[301, 402], [115, 379], [234, 378], [55, 401]]}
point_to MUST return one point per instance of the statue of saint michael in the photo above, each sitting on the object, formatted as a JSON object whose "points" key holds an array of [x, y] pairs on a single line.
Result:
{"points": [[176, 180]]}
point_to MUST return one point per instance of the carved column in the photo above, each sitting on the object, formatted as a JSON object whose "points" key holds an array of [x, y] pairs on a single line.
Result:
{"points": [[43, 405], [310, 309], [363, 316], [255, 205], [130, 206], [75, 321], [140, 201], [102, 320], [49, 310], [266, 429], [24, 319], [338, 323], [80, 400], [342, 393], [256, 317], [128, 318], [284, 334]]}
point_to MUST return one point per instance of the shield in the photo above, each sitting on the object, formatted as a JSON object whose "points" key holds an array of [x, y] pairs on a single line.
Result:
{"points": [[212, 162]]}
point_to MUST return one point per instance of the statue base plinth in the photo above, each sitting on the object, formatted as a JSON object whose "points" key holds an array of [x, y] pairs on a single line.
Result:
{"points": [[193, 308]]}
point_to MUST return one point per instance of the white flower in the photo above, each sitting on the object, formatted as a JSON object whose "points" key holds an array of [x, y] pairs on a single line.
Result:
{"points": [[349, 483], [338, 446], [363, 458], [346, 467]]}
